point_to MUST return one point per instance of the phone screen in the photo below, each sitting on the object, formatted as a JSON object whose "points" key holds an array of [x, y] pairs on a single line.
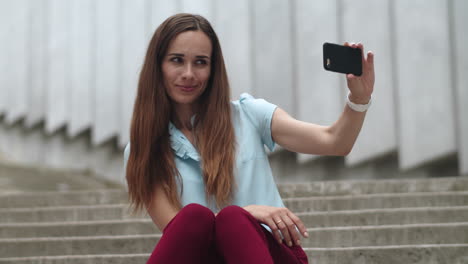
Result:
{"points": [[343, 59]]}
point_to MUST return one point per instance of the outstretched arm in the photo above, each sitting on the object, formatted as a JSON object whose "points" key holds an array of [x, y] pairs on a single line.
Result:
{"points": [[339, 138]]}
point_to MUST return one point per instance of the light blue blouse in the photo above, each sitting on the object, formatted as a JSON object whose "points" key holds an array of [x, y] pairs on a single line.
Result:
{"points": [[255, 184]]}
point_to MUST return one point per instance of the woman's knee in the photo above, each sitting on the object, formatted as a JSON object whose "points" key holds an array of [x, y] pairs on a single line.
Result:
{"points": [[230, 215], [234, 223], [197, 217], [198, 212], [190, 232]]}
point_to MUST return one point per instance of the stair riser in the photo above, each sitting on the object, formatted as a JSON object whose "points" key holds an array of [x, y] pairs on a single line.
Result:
{"points": [[355, 237], [373, 187], [79, 260], [63, 215], [396, 217], [375, 202], [310, 220], [315, 203], [79, 230], [363, 237], [456, 254], [295, 205], [452, 255], [287, 190], [14, 179], [86, 246], [65, 199]]}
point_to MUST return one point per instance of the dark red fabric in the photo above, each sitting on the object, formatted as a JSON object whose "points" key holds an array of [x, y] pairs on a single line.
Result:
{"points": [[195, 235]]}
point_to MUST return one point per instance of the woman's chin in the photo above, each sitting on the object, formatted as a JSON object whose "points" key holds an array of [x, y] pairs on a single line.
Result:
{"points": [[185, 99]]}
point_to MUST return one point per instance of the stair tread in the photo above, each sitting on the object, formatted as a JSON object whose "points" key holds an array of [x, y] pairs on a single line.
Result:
{"points": [[292, 199], [307, 249], [149, 221], [373, 195]]}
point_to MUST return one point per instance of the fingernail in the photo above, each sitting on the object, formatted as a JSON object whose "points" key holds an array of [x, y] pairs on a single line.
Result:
{"points": [[306, 234], [298, 242], [290, 244]]}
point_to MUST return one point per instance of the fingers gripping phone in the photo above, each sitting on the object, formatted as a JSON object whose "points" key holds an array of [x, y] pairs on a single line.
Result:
{"points": [[343, 59]]}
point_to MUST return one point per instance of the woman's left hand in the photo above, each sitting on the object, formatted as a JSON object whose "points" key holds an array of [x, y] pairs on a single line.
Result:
{"points": [[361, 87], [279, 219]]}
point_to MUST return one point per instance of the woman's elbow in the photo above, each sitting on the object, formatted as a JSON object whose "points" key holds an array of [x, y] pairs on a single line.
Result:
{"points": [[345, 153], [341, 150]]}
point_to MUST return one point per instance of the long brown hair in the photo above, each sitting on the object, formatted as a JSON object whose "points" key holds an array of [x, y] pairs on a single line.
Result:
{"points": [[151, 161]]}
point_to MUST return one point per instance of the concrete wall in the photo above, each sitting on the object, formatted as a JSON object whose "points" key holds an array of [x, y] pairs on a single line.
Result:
{"points": [[70, 70]]}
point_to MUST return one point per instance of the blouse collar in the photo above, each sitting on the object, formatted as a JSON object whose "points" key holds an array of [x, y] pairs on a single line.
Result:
{"points": [[181, 145]]}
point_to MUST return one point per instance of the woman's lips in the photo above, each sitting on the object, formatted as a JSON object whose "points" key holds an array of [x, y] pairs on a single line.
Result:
{"points": [[186, 88]]}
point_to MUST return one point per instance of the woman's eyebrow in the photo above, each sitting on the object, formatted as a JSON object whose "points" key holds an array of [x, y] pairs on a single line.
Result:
{"points": [[176, 54], [182, 55], [202, 57]]}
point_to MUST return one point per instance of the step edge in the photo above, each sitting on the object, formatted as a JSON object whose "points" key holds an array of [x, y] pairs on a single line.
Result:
{"points": [[299, 214], [75, 238], [388, 247], [317, 229], [376, 195]]}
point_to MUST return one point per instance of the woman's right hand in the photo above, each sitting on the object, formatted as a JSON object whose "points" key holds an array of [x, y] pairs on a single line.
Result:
{"points": [[279, 218]]}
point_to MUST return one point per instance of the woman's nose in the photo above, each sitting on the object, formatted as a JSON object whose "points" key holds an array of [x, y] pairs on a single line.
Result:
{"points": [[188, 72]]}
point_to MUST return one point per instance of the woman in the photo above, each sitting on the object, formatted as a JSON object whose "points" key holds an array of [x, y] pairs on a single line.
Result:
{"points": [[197, 162]]}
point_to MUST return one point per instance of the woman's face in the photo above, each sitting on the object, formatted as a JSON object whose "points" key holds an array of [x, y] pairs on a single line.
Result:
{"points": [[186, 66]]}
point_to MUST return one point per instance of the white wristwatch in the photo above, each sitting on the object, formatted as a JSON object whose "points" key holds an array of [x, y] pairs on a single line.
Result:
{"points": [[358, 107]]}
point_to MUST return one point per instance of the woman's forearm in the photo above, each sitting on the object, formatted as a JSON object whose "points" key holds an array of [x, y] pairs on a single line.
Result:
{"points": [[346, 130]]}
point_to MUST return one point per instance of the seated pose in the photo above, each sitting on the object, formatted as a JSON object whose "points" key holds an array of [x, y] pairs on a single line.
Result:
{"points": [[196, 161]]}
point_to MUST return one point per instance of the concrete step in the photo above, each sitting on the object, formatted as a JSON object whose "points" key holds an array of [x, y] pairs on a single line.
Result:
{"points": [[404, 254], [327, 188], [312, 204], [393, 216], [375, 201], [42, 199], [359, 187], [363, 236], [112, 226], [76, 229], [28, 247], [77, 259], [317, 203], [452, 233], [407, 254], [20, 178], [66, 213]]}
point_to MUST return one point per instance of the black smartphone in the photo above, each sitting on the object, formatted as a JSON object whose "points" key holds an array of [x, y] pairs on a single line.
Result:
{"points": [[343, 59]]}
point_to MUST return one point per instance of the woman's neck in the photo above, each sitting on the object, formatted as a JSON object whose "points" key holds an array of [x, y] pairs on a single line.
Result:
{"points": [[183, 114]]}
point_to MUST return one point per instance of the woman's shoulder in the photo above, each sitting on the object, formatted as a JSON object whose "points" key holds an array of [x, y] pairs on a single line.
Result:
{"points": [[256, 109], [237, 102], [249, 103]]}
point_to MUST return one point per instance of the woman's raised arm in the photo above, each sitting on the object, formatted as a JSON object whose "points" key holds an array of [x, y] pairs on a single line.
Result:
{"points": [[337, 139]]}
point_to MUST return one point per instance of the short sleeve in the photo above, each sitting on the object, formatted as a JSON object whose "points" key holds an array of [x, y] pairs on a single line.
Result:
{"points": [[260, 112]]}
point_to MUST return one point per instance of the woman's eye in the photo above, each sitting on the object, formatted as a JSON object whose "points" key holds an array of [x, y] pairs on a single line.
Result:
{"points": [[201, 62], [176, 59]]}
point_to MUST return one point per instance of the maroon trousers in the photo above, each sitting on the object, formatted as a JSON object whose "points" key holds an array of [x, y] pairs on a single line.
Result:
{"points": [[196, 235]]}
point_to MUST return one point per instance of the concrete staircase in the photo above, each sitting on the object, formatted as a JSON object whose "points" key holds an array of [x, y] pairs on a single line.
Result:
{"points": [[373, 221]]}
